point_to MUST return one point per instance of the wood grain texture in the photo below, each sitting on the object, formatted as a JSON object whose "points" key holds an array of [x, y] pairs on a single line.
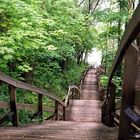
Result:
{"points": [[83, 122], [60, 130], [18, 84]]}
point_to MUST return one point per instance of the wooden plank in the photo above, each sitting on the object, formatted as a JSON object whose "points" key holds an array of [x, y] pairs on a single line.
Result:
{"points": [[111, 106], [7, 79], [40, 105], [60, 130], [72, 91], [64, 113], [13, 106], [128, 91], [132, 115], [56, 110], [137, 98], [67, 97], [117, 117], [21, 106]]}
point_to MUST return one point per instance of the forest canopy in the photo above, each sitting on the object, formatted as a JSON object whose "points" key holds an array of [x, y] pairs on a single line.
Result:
{"points": [[43, 41]]}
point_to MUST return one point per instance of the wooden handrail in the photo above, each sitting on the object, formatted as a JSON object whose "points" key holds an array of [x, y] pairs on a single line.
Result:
{"points": [[130, 34], [128, 52], [18, 84], [13, 84], [71, 88], [83, 77]]}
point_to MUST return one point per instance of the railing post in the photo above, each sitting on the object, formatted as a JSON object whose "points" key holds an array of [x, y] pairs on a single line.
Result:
{"points": [[128, 91], [68, 101], [64, 113], [103, 117], [111, 106], [40, 105], [56, 110], [12, 94], [72, 94]]}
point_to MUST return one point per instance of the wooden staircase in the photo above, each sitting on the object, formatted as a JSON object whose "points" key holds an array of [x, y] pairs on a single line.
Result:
{"points": [[83, 120]]}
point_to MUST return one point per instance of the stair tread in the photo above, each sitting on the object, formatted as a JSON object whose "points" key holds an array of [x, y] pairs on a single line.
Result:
{"points": [[60, 130]]}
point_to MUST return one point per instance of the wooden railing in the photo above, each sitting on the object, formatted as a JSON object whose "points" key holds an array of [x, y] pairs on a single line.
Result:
{"points": [[83, 77], [58, 111], [128, 53]]}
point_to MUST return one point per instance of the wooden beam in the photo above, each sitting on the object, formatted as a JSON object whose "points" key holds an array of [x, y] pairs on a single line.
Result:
{"points": [[137, 98], [12, 94], [64, 113], [111, 106], [128, 91], [18, 84], [56, 110], [22, 106], [133, 116], [40, 105]]}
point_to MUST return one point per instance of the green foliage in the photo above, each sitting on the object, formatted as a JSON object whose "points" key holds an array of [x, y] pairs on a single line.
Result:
{"points": [[112, 20], [116, 80], [40, 43], [103, 81]]}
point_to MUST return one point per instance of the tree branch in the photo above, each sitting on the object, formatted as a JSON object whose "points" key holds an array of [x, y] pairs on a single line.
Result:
{"points": [[82, 2], [95, 7]]}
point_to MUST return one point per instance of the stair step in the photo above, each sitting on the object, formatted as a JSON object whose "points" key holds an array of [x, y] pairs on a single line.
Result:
{"points": [[87, 103], [89, 91], [90, 82], [60, 130], [89, 96], [84, 110], [90, 87]]}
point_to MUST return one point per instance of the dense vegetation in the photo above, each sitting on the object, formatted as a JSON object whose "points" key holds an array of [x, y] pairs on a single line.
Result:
{"points": [[112, 17], [46, 42], [43, 42]]}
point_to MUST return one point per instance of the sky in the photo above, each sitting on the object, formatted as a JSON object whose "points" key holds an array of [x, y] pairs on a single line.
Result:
{"points": [[95, 57]]}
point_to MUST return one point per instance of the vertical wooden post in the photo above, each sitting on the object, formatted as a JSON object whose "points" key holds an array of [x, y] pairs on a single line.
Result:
{"points": [[12, 94], [64, 113], [72, 94], [56, 110], [103, 117], [40, 105], [111, 106], [68, 101], [128, 91]]}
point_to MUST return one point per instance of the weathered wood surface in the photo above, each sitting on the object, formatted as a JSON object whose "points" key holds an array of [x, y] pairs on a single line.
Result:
{"points": [[90, 88], [18, 84], [83, 122], [60, 130], [21, 106], [128, 91]]}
